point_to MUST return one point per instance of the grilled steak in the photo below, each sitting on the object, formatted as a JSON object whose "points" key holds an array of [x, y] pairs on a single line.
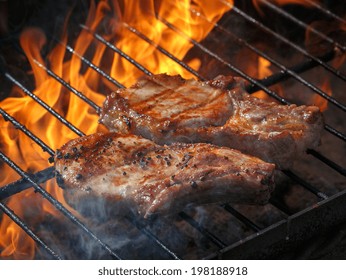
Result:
{"points": [[168, 109], [150, 178]]}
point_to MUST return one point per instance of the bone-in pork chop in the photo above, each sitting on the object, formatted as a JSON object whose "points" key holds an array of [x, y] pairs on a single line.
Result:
{"points": [[168, 109], [149, 178]]}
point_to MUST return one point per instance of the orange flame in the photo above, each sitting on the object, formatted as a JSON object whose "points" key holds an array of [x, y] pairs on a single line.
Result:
{"points": [[263, 71], [142, 15], [319, 101]]}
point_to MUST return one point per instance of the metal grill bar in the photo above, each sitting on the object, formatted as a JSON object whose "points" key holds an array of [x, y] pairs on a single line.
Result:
{"points": [[142, 227], [23, 184], [18, 125], [203, 230], [69, 87], [283, 13], [325, 10], [283, 75], [241, 217], [335, 132], [306, 185], [327, 161], [164, 51], [29, 232], [284, 40], [279, 205], [90, 64], [58, 205], [118, 51], [160, 244], [44, 105]]}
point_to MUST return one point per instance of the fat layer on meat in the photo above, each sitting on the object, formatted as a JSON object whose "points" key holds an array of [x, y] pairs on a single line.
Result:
{"points": [[148, 178], [168, 109]]}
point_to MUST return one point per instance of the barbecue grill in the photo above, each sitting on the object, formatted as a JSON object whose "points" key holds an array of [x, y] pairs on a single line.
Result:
{"points": [[305, 216]]}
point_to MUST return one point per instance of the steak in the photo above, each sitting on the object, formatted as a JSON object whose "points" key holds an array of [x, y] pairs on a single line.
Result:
{"points": [[168, 109], [148, 178]]}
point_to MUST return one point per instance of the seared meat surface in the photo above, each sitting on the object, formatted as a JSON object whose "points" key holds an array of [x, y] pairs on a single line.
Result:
{"points": [[149, 178], [168, 109]]}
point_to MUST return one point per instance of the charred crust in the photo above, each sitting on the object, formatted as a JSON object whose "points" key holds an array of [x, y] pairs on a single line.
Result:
{"points": [[126, 121], [67, 156], [193, 184], [143, 162], [139, 154], [168, 162]]}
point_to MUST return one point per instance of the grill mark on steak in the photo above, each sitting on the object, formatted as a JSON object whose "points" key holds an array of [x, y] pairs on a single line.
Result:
{"points": [[148, 178], [217, 112]]}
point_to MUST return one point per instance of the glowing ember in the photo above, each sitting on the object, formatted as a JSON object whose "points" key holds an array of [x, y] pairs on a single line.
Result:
{"points": [[141, 15]]}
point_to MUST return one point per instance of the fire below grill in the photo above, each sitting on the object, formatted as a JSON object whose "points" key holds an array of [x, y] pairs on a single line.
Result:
{"points": [[305, 216]]}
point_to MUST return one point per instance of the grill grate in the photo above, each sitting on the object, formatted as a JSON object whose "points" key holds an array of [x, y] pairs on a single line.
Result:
{"points": [[289, 228]]}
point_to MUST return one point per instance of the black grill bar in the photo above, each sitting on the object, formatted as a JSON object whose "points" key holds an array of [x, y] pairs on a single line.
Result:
{"points": [[23, 184], [335, 132], [29, 232], [202, 230], [325, 10], [285, 14], [286, 41], [159, 243], [90, 64], [306, 185], [241, 217], [57, 205], [284, 70], [118, 51], [142, 227], [327, 161], [283, 75], [18, 125], [44, 105], [279, 205], [164, 51], [69, 87]]}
